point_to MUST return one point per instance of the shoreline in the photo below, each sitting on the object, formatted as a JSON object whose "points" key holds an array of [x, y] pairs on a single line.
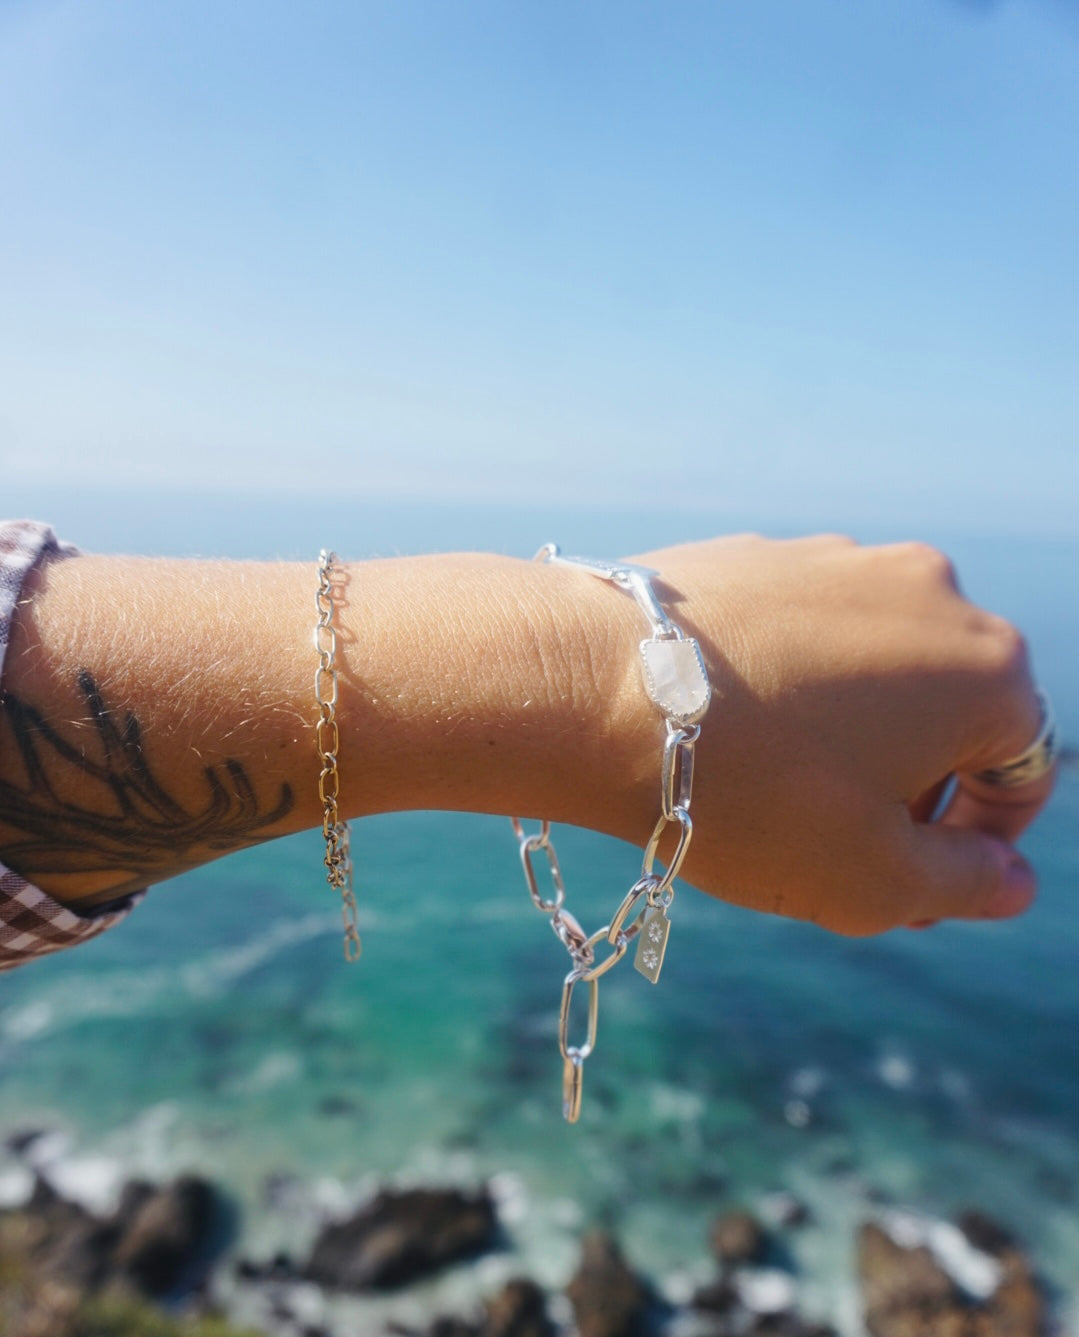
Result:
{"points": [[766, 1270]]}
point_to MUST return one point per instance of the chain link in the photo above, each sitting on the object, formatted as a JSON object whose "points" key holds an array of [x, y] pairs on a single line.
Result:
{"points": [[677, 683], [335, 832]]}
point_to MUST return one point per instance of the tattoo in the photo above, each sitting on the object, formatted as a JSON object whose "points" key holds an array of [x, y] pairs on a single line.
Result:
{"points": [[124, 818]]}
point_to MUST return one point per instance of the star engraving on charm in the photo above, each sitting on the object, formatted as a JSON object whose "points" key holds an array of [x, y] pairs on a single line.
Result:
{"points": [[650, 958], [655, 932]]}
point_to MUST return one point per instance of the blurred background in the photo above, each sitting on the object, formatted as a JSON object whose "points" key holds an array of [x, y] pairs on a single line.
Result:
{"points": [[403, 276]]}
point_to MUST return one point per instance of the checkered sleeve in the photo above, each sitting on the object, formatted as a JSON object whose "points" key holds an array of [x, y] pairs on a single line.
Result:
{"points": [[31, 922]]}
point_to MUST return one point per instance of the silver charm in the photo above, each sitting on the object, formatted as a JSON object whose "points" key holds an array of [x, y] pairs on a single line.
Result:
{"points": [[572, 1083], [652, 944]]}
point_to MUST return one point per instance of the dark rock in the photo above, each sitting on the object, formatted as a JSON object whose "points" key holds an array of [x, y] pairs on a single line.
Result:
{"points": [[452, 1327], [609, 1299], [789, 1212], [737, 1238], [337, 1107], [718, 1297], [400, 1236], [985, 1233], [279, 1268], [518, 1310], [22, 1139], [787, 1325], [163, 1233]]}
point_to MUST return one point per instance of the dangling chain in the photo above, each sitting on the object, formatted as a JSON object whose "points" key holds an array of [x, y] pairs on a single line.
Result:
{"points": [[677, 684], [338, 858]]}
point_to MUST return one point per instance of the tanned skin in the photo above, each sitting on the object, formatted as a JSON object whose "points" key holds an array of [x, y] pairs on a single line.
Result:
{"points": [[157, 714]]}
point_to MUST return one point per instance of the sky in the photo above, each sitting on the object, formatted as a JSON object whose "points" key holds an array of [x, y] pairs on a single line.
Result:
{"points": [[813, 260]]}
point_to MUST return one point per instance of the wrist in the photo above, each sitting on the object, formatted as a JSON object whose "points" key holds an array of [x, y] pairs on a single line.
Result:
{"points": [[492, 684]]}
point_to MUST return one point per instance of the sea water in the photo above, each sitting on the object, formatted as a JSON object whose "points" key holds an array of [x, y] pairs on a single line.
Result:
{"points": [[220, 1030]]}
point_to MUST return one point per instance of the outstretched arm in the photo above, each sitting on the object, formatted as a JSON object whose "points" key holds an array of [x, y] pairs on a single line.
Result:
{"points": [[157, 714]]}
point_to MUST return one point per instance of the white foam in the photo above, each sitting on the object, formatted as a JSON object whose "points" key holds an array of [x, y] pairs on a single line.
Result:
{"points": [[23, 1023], [808, 1082], [975, 1272], [16, 1185], [92, 1181], [511, 1196], [222, 968], [273, 1070], [896, 1071], [678, 1104], [51, 1146], [797, 1113], [765, 1290]]}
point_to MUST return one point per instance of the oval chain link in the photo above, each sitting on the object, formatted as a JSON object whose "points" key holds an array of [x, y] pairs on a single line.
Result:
{"points": [[335, 832]]}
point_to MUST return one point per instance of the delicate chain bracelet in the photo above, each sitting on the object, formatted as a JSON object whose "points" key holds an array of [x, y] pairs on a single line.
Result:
{"points": [[338, 859], [677, 684]]}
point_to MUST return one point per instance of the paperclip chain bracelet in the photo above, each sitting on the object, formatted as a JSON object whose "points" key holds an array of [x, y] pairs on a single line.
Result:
{"points": [[336, 833], [677, 684]]}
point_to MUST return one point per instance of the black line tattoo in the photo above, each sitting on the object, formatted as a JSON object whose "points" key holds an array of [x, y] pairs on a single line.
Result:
{"points": [[126, 819]]}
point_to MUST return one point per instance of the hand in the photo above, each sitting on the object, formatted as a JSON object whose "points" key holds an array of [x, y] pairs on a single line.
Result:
{"points": [[848, 683]]}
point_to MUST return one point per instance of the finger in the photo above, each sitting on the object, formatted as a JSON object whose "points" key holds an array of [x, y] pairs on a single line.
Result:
{"points": [[958, 873], [977, 806], [924, 807]]}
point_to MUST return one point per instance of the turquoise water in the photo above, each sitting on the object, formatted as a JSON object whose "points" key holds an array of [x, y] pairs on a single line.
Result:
{"points": [[220, 1028]]}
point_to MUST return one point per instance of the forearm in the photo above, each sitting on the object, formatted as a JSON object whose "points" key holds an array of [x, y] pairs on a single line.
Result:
{"points": [[161, 713]]}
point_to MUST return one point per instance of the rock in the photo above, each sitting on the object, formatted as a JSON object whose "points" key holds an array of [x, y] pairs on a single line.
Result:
{"points": [[163, 1233], [905, 1292], [518, 1310], [22, 1140], [784, 1210], [64, 1257], [279, 1268], [788, 1325], [737, 1238], [451, 1327], [718, 1297], [1017, 1307], [984, 1233], [609, 1299], [400, 1236]]}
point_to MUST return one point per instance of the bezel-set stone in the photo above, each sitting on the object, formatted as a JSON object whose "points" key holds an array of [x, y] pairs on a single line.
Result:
{"points": [[675, 678]]}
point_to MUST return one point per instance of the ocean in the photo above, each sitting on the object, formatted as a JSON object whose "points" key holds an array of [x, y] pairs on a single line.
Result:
{"points": [[219, 1029]]}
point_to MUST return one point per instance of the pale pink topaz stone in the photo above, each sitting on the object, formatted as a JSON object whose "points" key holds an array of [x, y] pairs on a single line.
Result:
{"points": [[675, 678]]}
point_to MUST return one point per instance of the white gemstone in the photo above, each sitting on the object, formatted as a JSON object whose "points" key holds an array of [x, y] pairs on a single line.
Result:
{"points": [[650, 959], [675, 679]]}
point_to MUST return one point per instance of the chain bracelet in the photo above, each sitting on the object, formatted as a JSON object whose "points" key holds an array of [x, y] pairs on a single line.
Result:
{"points": [[338, 858], [677, 683]]}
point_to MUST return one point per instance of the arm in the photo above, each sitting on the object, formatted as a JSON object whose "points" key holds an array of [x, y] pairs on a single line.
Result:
{"points": [[160, 713]]}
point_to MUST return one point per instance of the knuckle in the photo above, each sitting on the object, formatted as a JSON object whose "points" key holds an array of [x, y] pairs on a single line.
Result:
{"points": [[1005, 650], [931, 560], [835, 540]]}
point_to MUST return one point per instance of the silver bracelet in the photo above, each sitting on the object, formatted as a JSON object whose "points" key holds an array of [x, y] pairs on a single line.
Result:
{"points": [[677, 684]]}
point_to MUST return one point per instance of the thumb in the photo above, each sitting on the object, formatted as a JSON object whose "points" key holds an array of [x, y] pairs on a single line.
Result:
{"points": [[963, 874]]}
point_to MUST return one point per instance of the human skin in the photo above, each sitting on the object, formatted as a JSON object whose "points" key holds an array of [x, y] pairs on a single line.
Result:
{"points": [[159, 713]]}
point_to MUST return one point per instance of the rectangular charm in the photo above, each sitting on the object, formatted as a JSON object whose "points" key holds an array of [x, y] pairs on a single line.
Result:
{"points": [[652, 944], [572, 1082]]}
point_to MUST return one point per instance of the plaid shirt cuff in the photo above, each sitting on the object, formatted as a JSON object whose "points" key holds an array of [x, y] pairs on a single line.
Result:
{"points": [[32, 923]]}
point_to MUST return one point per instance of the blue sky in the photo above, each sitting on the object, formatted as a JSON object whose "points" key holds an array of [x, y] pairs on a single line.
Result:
{"points": [[804, 258]]}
